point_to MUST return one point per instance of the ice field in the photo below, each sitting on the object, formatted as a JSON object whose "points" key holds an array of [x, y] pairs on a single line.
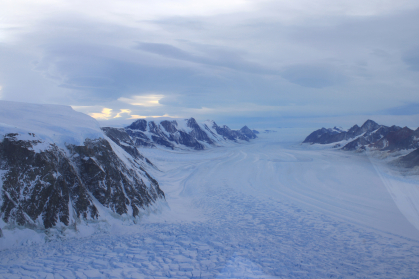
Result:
{"points": [[264, 209]]}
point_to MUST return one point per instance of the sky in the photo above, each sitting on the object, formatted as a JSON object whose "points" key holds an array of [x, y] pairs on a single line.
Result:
{"points": [[262, 63]]}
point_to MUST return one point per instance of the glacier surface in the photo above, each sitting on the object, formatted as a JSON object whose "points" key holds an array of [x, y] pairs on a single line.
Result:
{"points": [[264, 209]]}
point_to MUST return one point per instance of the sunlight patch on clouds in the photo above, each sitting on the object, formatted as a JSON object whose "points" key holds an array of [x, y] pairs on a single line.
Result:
{"points": [[151, 100], [122, 111], [104, 115]]}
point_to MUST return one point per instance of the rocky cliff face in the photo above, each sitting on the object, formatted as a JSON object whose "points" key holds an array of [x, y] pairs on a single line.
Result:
{"points": [[58, 176], [55, 185], [185, 133]]}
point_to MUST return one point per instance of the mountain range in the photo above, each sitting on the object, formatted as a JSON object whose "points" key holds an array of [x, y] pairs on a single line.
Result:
{"points": [[59, 168], [179, 134], [372, 136]]}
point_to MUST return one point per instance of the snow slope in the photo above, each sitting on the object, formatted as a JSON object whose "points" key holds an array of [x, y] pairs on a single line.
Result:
{"points": [[264, 209], [52, 123]]}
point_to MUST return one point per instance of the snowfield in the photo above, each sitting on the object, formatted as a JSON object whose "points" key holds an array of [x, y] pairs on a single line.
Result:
{"points": [[51, 123], [264, 209]]}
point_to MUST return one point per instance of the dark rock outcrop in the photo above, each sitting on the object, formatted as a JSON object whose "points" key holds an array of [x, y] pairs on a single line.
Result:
{"points": [[248, 133], [402, 138], [229, 134], [197, 132], [50, 185], [410, 160], [121, 138], [140, 124]]}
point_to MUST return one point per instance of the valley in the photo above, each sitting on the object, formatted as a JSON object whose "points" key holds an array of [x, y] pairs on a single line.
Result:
{"points": [[263, 209]]}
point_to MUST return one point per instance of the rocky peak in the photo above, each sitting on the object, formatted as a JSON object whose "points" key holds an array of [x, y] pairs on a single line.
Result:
{"points": [[191, 123], [369, 126], [169, 126], [139, 124], [248, 133]]}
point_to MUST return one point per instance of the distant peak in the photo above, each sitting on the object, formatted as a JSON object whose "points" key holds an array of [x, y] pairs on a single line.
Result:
{"points": [[369, 122], [140, 124]]}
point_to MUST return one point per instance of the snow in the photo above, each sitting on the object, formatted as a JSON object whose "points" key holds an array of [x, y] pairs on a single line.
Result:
{"points": [[264, 209], [51, 123]]}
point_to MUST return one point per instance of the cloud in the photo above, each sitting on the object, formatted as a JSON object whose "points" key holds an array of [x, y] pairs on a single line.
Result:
{"points": [[150, 100], [121, 112], [407, 109], [264, 59], [313, 75], [210, 55], [411, 58], [105, 114], [166, 50]]}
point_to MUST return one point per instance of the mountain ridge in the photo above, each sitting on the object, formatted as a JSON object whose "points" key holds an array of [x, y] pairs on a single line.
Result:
{"points": [[181, 134], [374, 137]]}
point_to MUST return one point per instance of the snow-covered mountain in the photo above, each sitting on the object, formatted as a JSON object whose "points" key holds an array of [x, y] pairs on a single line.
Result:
{"points": [[184, 133], [372, 136], [57, 167]]}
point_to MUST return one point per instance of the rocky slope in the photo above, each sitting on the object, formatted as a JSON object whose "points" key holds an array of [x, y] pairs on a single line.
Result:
{"points": [[375, 137], [58, 168], [185, 133]]}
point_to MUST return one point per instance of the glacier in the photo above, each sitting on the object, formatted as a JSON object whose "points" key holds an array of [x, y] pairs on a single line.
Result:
{"points": [[269, 208]]}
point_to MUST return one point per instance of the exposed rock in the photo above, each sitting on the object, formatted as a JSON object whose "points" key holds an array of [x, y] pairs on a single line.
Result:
{"points": [[140, 124], [185, 133], [326, 136], [229, 134], [248, 133], [399, 139], [197, 132], [120, 137], [55, 185], [410, 160], [375, 137], [356, 144]]}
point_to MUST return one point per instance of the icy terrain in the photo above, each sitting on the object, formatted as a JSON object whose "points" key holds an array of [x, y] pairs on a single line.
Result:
{"points": [[52, 123], [265, 209]]}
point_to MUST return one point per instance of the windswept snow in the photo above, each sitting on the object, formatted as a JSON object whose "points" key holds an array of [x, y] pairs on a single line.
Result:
{"points": [[263, 209], [51, 123]]}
